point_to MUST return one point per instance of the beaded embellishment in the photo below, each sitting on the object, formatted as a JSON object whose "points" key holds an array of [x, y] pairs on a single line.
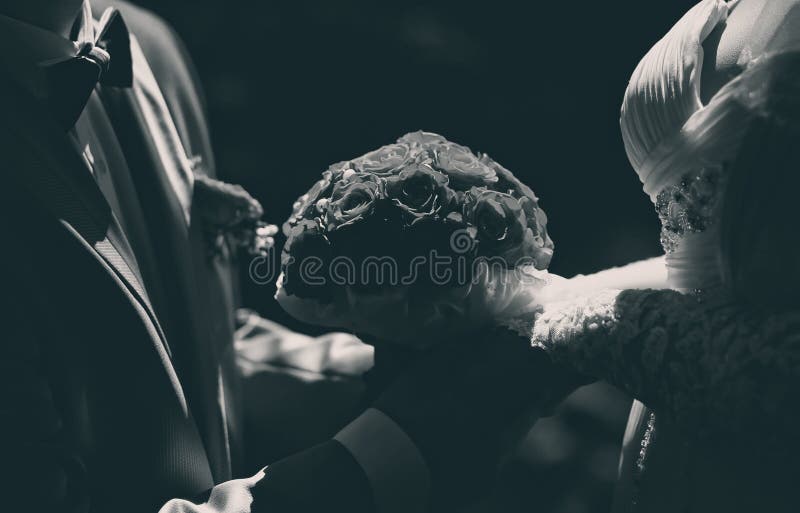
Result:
{"points": [[647, 439], [688, 207]]}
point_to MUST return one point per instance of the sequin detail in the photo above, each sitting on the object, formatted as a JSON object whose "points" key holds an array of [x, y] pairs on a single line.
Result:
{"points": [[647, 439], [688, 207]]}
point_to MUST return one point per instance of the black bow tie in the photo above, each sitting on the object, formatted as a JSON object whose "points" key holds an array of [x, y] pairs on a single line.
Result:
{"points": [[106, 60]]}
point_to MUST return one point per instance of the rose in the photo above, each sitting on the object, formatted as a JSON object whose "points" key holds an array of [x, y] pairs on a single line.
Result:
{"points": [[305, 240], [353, 198], [462, 166], [537, 219], [502, 228], [420, 138], [506, 180], [305, 203], [385, 161], [335, 171], [294, 238], [537, 223], [420, 192]]}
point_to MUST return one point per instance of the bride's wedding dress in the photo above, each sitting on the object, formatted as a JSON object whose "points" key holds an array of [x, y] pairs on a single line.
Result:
{"points": [[715, 355]]}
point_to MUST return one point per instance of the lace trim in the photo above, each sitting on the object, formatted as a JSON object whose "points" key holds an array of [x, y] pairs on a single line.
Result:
{"points": [[708, 364]]}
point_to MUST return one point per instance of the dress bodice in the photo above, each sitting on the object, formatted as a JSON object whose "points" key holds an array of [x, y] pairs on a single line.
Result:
{"points": [[718, 368], [684, 151]]}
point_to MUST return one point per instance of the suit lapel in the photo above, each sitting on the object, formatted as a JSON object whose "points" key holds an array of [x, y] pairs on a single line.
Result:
{"points": [[191, 326], [62, 183]]}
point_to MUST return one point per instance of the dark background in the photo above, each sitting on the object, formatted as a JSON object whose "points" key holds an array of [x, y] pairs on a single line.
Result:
{"points": [[295, 86]]}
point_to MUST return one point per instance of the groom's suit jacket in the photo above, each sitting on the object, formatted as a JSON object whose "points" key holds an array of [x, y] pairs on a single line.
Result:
{"points": [[116, 368]]}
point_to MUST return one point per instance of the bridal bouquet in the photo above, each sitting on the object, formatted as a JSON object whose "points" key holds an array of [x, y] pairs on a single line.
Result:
{"points": [[412, 242]]}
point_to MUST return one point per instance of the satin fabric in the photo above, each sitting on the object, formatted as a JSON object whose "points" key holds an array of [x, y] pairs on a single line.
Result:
{"points": [[668, 133]]}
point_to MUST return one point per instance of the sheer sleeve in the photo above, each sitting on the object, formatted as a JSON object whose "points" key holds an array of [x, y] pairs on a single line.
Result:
{"points": [[703, 361]]}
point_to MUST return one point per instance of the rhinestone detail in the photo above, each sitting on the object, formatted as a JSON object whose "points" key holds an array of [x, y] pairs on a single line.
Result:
{"points": [[688, 207], [647, 439]]}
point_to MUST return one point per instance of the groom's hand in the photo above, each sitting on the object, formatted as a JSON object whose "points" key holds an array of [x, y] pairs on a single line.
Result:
{"points": [[454, 406]]}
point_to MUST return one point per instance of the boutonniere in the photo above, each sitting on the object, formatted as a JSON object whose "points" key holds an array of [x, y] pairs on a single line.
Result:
{"points": [[231, 218]]}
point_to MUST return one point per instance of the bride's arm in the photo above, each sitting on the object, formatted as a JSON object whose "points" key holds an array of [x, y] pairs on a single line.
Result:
{"points": [[643, 274], [704, 362]]}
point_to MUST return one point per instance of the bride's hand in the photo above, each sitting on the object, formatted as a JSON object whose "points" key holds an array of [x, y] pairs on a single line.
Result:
{"points": [[566, 325]]}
